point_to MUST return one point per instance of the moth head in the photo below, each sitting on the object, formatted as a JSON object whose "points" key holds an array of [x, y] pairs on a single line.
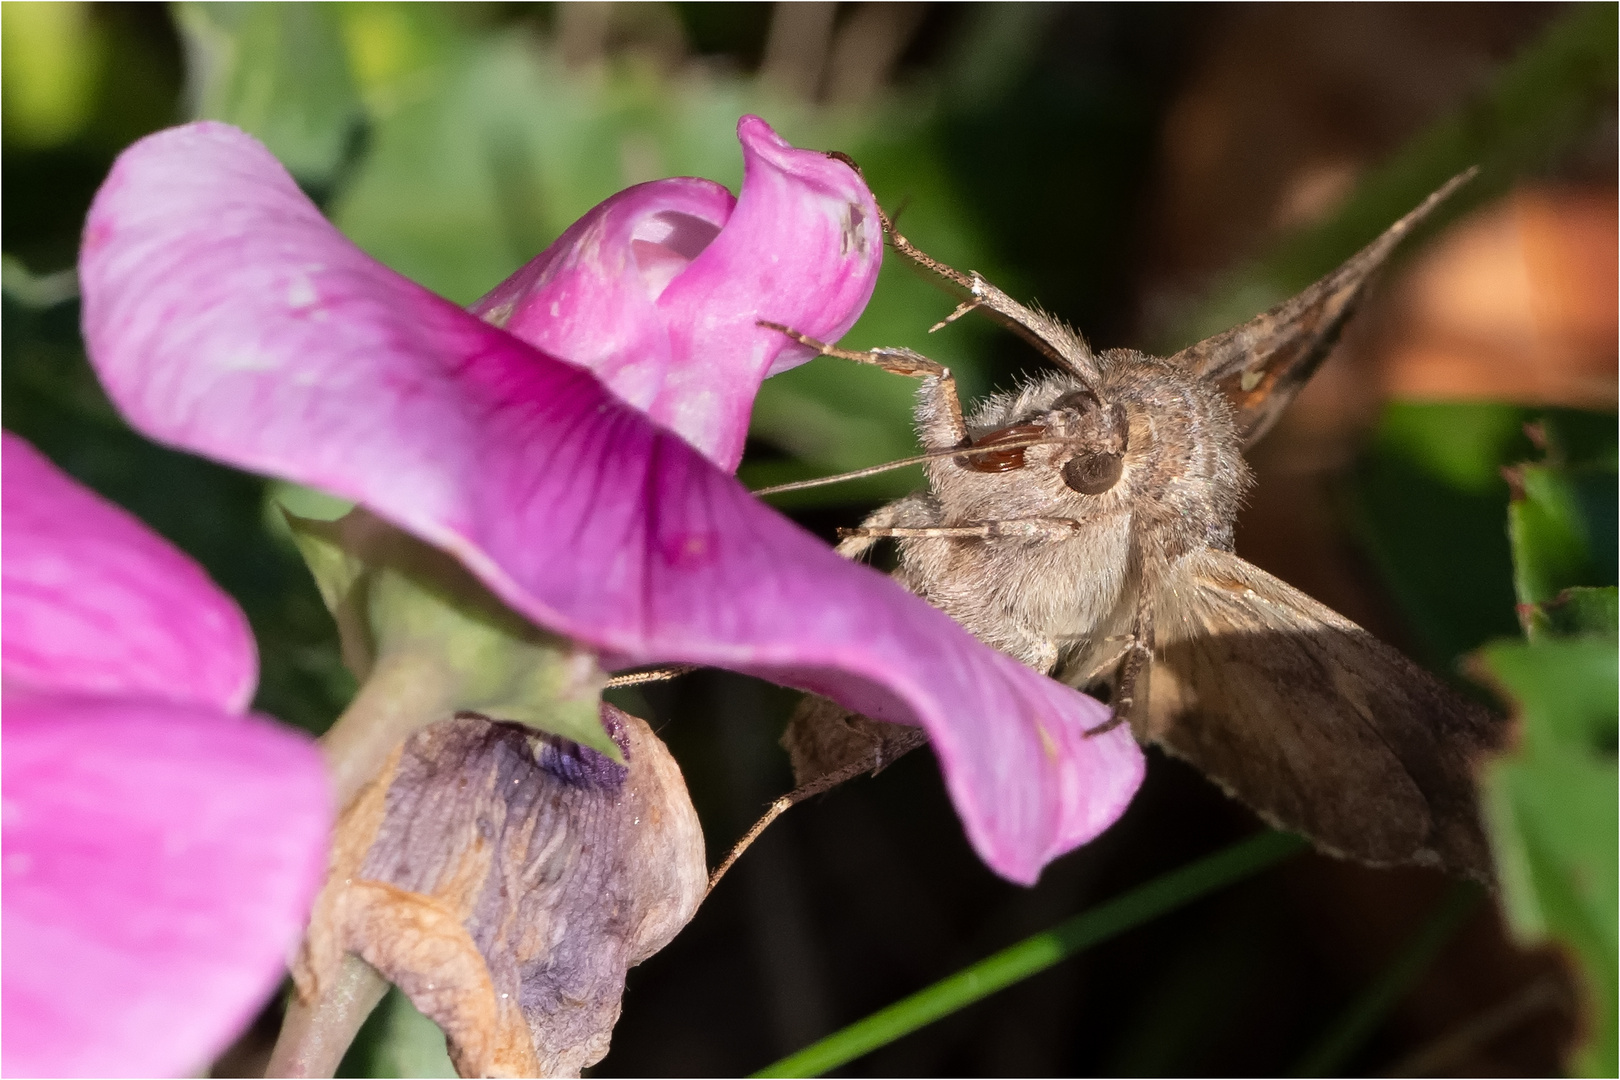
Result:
{"points": [[1097, 436], [1090, 439]]}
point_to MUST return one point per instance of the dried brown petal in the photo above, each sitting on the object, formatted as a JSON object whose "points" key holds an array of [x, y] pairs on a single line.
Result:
{"points": [[505, 880]]}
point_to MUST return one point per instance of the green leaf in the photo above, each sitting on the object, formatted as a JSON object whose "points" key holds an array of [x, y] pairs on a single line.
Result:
{"points": [[1583, 610], [397, 1040], [1428, 500], [1551, 808], [427, 640], [1561, 524], [279, 72]]}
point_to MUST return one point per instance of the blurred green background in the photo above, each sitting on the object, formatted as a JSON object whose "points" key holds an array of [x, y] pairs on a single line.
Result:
{"points": [[1150, 173]]}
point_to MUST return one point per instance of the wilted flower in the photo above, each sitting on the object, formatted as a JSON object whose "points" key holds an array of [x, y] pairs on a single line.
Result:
{"points": [[226, 316], [161, 844]]}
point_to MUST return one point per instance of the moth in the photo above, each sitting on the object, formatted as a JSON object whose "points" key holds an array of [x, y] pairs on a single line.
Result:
{"points": [[1083, 523]]}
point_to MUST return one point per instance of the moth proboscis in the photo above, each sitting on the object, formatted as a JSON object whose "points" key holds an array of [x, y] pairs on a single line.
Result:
{"points": [[1083, 524]]}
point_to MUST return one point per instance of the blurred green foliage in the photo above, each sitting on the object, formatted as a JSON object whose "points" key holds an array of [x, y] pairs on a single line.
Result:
{"points": [[1468, 535], [1433, 507], [397, 1040], [279, 71], [49, 61], [1551, 801]]}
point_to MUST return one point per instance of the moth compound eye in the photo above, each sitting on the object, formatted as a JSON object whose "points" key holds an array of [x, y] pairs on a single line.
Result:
{"points": [[1093, 474], [1080, 401]]}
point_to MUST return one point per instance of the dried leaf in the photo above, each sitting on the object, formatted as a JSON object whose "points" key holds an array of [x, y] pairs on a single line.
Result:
{"points": [[505, 880]]}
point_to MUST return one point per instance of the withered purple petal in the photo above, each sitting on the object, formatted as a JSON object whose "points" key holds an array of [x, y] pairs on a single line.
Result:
{"points": [[506, 895], [226, 316]]}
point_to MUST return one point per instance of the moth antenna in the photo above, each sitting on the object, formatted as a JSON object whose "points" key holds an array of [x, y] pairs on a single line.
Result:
{"points": [[890, 466], [905, 204], [839, 155], [1050, 337], [1047, 335]]}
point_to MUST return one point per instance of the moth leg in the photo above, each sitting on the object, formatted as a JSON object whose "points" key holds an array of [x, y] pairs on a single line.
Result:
{"points": [[1085, 678], [1029, 528], [911, 510], [942, 403], [1133, 672]]}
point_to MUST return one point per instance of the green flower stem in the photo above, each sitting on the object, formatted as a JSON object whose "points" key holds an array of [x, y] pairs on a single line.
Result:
{"points": [[1036, 954], [316, 1034], [1328, 1056], [403, 693]]}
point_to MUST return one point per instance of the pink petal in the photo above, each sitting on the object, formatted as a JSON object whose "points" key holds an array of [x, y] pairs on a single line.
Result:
{"points": [[159, 861], [659, 290], [226, 316], [97, 603], [592, 297]]}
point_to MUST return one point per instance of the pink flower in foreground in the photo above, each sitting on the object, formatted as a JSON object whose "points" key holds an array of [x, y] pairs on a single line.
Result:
{"points": [[161, 845], [226, 316]]}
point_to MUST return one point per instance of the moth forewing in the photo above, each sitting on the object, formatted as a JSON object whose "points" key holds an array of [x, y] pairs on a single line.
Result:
{"points": [[1312, 721], [1263, 363]]}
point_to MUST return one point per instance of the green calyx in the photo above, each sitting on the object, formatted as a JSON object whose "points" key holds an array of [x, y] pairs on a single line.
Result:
{"points": [[427, 640]]}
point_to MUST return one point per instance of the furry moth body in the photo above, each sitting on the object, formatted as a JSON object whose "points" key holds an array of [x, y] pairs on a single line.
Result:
{"points": [[1103, 556]]}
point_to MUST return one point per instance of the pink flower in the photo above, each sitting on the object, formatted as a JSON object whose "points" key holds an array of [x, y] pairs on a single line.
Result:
{"points": [[161, 844], [226, 316], [658, 290]]}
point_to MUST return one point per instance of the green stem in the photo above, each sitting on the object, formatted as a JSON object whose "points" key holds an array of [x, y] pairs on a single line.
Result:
{"points": [[401, 695], [316, 1034], [1036, 954], [1352, 1028]]}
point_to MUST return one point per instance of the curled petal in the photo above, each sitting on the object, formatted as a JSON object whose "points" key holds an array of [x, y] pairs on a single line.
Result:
{"points": [[659, 290], [226, 316], [592, 296], [159, 862], [96, 603]]}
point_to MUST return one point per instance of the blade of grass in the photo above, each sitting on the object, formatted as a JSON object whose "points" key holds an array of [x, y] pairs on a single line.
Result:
{"points": [[1328, 1056], [1037, 953]]}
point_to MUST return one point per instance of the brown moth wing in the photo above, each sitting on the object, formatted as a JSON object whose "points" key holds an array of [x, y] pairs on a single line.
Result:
{"points": [[1314, 723], [1263, 363], [824, 739]]}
